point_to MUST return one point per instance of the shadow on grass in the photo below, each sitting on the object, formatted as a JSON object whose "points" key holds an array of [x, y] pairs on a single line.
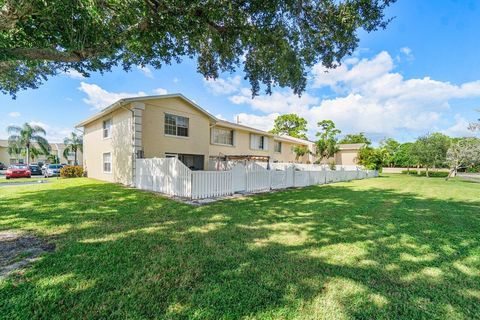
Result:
{"points": [[319, 252]]}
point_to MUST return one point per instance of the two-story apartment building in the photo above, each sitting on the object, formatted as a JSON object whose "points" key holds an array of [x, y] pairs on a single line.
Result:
{"points": [[55, 149], [173, 126]]}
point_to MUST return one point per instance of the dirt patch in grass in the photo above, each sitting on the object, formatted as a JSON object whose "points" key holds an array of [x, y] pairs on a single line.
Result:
{"points": [[19, 249]]}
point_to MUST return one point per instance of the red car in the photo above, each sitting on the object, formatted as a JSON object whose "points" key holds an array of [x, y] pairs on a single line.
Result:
{"points": [[18, 171]]}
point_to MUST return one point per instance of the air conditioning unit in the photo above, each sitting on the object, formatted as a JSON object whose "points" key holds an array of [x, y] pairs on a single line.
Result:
{"points": [[140, 154]]}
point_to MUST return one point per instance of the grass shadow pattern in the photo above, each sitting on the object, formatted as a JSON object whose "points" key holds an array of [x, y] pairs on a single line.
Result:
{"points": [[396, 247]]}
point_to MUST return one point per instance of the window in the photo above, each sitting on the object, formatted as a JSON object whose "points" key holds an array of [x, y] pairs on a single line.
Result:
{"points": [[176, 125], [258, 142], [278, 147], [107, 128], [222, 136], [107, 162]]}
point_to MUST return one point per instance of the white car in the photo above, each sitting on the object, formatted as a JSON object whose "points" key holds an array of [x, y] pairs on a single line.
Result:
{"points": [[52, 170]]}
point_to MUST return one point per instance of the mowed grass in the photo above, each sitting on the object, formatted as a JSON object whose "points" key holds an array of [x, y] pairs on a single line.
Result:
{"points": [[386, 248]]}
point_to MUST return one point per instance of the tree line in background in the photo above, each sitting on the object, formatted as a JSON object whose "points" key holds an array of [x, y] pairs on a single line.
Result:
{"points": [[430, 151], [29, 141]]}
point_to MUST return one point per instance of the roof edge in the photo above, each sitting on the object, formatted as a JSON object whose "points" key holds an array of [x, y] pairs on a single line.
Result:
{"points": [[117, 104]]}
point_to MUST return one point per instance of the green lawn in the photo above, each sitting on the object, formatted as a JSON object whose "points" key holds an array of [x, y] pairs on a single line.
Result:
{"points": [[386, 248]]}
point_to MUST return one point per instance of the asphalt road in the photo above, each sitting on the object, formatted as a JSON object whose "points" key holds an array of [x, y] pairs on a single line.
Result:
{"points": [[470, 176]]}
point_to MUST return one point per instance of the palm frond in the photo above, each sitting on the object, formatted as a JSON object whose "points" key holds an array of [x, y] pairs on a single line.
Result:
{"points": [[66, 151], [14, 129], [38, 130], [14, 138]]}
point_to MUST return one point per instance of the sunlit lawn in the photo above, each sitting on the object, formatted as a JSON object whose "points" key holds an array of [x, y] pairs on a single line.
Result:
{"points": [[392, 247]]}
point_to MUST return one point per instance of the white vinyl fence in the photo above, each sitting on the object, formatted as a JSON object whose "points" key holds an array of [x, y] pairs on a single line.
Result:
{"points": [[172, 177]]}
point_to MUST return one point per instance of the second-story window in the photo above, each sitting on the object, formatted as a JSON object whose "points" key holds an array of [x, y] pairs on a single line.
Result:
{"points": [[258, 142], [176, 125], [222, 136], [278, 147], [107, 128]]}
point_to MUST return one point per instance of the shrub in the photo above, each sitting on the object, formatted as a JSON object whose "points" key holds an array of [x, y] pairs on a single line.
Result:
{"points": [[473, 169], [332, 166], [409, 171], [433, 174], [71, 172]]}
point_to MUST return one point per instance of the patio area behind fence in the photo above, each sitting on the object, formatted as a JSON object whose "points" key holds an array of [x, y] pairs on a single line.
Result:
{"points": [[170, 176]]}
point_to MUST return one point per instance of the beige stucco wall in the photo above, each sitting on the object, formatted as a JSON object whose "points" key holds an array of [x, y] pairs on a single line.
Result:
{"points": [[287, 154], [119, 145], [242, 147], [346, 157], [156, 143], [4, 156]]}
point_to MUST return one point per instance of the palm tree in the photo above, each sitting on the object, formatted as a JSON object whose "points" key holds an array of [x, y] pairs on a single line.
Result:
{"points": [[73, 144], [14, 150], [28, 137], [300, 151], [53, 158]]}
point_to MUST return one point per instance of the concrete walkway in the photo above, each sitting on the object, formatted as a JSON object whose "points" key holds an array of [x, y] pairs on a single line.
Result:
{"points": [[469, 176], [13, 184]]}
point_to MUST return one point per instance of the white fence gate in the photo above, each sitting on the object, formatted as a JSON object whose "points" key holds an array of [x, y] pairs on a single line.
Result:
{"points": [[239, 178], [206, 184], [258, 178], [172, 177]]}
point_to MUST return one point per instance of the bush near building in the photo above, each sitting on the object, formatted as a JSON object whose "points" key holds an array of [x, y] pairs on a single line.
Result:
{"points": [[71, 172]]}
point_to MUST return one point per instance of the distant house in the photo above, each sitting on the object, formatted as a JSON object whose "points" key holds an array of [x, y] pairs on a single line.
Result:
{"points": [[56, 149], [174, 126]]}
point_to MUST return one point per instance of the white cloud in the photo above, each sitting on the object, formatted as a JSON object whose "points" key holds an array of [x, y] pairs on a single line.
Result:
{"points": [[362, 71], [407, 52], [459, 128], [54, 133], [176, 80], [160, 91], [370, 97], [223, 86], [276, 102], [146, 71], [259, 122], [100, 98], [74, 74], [14, 114]]}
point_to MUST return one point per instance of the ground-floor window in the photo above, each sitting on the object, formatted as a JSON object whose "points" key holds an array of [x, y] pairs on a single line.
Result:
{"points": [[192, 161], [107, 162]]}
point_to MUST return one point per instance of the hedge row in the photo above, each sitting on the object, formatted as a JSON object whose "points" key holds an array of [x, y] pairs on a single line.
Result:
{"points": [[433, 174], [71, 172]]}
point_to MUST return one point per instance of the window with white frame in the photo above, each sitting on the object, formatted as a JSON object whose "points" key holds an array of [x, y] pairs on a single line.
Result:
{"points": [[107, 162], [107, 128], [222, 136], [176, 125], [278, 147], [258, 142]]}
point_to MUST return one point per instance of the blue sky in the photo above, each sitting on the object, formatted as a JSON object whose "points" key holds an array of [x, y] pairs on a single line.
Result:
{"points": [[420, 75]]}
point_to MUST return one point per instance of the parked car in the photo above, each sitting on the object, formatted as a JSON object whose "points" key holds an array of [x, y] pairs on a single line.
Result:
{"points": [[18, 171], [52, 170], [2, 166], [44, 167], [35, 170]]}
